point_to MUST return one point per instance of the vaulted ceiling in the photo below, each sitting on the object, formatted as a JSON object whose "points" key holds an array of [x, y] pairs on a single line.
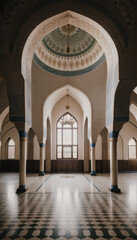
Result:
{"points": [[69, 51]]}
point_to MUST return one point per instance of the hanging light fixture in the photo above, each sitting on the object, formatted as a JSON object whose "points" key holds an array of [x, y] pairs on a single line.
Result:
{"points": [[68, 45], [67, 106], [68, 51]]}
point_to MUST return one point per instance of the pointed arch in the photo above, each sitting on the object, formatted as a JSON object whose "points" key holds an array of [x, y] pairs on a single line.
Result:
{"points": [[132, 148], [67, 137], [10, 148], [77, 95], [98, 32]]}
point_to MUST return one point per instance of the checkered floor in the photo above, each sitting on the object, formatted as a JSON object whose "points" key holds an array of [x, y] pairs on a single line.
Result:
{"points": [[68, 213]]}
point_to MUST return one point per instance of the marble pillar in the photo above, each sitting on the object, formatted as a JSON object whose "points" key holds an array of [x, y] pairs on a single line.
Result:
{"points": [[41, 162], [113, 162], [22, 162], [93, 162]]}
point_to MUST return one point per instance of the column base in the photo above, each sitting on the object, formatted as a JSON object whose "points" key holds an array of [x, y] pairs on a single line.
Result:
{"points": [[21, 189], [115, 189], [93, 173], [41, 173]]}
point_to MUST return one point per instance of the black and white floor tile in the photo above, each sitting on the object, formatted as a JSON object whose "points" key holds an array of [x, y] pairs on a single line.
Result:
{"points": [[65, 207]]}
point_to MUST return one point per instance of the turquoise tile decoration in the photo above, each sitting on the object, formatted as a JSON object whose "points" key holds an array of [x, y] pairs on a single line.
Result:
{"points": [[68, 73]]}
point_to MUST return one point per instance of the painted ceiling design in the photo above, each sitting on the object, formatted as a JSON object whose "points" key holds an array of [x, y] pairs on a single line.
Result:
{"points": [[68, 51]]}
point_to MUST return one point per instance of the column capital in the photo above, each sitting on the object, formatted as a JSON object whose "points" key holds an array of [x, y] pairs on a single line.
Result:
{"points": [[113, 134], [23, 134], [41, 144]]}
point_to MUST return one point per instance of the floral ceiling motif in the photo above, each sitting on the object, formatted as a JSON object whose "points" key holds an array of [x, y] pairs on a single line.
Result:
{"points": [[68, 49]]}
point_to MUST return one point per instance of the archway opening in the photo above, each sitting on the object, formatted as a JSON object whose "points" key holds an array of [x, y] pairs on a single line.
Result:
{"points": [[79, 107], [68, 69], [11, 148], [67, 137], [66, 128], [33, 47], [132, 149]]}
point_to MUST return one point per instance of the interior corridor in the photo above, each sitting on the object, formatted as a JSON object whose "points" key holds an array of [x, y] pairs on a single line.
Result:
{"points": [[68, 206]]}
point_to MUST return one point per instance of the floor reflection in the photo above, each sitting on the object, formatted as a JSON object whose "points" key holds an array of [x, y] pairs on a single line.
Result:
{"points": [[66, 207]]}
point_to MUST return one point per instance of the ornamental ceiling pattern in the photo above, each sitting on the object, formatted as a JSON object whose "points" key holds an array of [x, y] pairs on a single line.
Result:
{"points": [[68, 41], [69, 49]]}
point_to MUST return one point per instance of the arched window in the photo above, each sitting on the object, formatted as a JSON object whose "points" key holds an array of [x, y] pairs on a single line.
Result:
{"points": [[132, 148], [67, 137], [11, 149]]}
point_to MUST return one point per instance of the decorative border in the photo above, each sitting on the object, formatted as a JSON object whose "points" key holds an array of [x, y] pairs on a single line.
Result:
{"points": [[68, 73], [23, 134], [69, 55]]}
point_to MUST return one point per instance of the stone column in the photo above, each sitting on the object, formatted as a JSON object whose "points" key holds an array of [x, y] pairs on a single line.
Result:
{"points": [[22, 162], [113, 162], [93, 162], [41, 162]]}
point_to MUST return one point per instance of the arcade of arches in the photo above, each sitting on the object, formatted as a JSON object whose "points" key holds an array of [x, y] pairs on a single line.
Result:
{"points": [[68, 87], [68, 119]]}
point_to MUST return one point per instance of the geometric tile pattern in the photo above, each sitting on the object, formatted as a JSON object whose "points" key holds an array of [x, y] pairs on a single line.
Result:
{"points": [[67, 215]]}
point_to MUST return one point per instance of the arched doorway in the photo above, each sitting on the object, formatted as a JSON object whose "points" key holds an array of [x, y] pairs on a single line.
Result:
{"points": [[66, 120], [10, 149], [68, 71]]}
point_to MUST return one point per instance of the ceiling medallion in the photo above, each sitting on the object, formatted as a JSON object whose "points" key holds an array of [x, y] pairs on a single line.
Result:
{"points": [[68, 29]]}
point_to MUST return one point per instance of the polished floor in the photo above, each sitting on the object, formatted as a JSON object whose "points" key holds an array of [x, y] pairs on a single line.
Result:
{"points": [[68, 206]]}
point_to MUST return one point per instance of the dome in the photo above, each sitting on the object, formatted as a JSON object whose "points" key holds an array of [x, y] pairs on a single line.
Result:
{"points": [[68, 51]]}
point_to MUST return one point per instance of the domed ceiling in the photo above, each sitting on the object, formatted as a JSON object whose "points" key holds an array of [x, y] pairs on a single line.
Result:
{"points": [[69, 51]]}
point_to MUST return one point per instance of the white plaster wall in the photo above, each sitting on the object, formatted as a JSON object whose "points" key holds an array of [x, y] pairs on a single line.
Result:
{"points": [[36, 149], [43, 83], [58, 110], [92, 84], [127, 132], [98, 148]]}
